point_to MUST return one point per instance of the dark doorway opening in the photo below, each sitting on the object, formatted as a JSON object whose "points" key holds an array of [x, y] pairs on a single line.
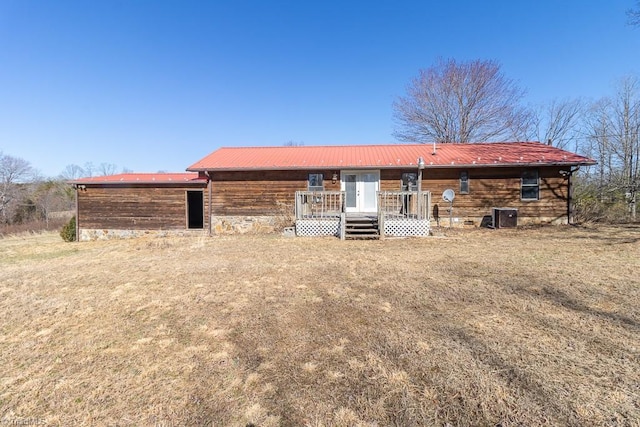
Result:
{"points": [[195, 209]]}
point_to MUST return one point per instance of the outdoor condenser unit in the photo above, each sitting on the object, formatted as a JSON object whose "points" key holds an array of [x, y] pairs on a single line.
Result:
{"points": [[504, 218]]}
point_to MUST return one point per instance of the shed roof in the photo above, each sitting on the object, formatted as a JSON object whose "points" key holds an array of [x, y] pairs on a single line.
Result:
{"points": [[143, 178], [493, 154]]}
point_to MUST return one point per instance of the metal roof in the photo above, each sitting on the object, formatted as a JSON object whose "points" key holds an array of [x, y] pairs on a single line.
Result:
{"points": [[387, 156], [143, 178]]}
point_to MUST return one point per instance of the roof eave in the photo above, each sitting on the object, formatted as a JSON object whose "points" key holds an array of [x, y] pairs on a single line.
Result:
{"points": [[510, 165], [198, 182], [428, 166]]}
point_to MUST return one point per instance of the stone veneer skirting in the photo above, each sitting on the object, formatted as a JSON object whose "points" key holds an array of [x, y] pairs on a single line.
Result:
{"points": [[88, 234], [270, 224], [248, 224], [219, 225]]}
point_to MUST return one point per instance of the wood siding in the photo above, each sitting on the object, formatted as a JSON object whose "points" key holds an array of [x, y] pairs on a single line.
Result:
{"points": [[262, 192], [488, 188], [272, 192], [136, 207]]}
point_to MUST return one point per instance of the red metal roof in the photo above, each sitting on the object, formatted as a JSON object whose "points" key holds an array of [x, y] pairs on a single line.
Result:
{"points": [[387, 156], [143, 178]]}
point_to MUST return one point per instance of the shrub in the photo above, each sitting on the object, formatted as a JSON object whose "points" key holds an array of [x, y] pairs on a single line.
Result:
{"points": [[68, 232]]}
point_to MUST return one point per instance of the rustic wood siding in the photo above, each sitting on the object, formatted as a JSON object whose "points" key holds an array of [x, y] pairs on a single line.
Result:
{"points": [[500, 187], [261, 192], [488, 188], [272, 192], [138, 207]]}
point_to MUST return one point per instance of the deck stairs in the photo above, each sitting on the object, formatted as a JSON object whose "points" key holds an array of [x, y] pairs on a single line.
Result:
{"points": [[361, 228]]}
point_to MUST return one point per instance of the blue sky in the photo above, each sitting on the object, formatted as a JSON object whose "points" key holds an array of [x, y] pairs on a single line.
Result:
{"points": [[157, 85]]}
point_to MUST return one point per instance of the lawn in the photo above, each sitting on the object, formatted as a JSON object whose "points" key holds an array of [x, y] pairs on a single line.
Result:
{"points": [[527, 327]]}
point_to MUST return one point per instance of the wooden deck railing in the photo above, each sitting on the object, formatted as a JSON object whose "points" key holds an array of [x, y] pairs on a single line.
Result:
{"points": [[319, 204], [392, 204], [406, 205]]}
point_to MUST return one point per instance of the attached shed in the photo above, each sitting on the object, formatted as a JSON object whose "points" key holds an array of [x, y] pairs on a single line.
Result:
{"points": [[135, 204]]}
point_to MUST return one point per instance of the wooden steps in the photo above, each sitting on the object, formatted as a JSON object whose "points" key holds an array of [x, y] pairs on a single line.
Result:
{"points": [[361, 228]]}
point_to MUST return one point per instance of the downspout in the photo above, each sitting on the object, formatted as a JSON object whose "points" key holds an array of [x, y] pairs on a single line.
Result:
{"points": [[570, 193], [210, 185], [77, 216]]}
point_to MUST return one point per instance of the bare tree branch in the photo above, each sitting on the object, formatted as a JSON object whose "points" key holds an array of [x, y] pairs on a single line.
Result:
{"points": [[633, 15], [558, 120]]}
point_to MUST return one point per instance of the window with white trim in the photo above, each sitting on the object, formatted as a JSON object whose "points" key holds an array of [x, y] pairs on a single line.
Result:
{"points": [[316, 182], [530, 185]]}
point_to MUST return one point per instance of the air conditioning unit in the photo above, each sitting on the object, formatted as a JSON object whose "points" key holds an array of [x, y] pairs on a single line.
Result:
{"points": [[504, 218]]}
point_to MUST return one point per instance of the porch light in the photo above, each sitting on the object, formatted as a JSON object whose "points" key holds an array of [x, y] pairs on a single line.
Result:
{"points": [[420, 163], [334, 177]]}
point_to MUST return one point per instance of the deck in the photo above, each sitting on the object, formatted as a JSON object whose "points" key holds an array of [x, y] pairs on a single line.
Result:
{"points": [[399, 214]]}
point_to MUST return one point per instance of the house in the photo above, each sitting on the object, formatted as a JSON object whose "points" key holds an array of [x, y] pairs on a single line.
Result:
{"points": [[337, 190]]}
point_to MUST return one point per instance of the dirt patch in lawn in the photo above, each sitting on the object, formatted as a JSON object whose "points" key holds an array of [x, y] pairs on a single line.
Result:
{"points": [[480, 327]]}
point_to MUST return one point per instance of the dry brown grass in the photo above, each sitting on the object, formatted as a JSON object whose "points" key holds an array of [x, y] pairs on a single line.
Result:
{"points": [[39, 226], [480, 327]]}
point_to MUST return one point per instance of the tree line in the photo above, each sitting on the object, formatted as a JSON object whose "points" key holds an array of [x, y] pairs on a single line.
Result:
{"points": [[27, 197]]}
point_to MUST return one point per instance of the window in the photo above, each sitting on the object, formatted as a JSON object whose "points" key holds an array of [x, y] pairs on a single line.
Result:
{"points": [[464, 182], [409, 181], [530, 186], [316, 182]]}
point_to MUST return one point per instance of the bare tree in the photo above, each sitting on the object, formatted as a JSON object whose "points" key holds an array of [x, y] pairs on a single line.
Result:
{"points": [[461, 102], [613, 129], [14, 172], [72, 172], [107, 169], [599, 143], [292, 143], [45, 198], [558, 121], [89, 169], [626, 127]]}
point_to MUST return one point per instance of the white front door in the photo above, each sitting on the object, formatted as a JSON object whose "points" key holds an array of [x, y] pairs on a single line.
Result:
{"points": [[361, 189]]}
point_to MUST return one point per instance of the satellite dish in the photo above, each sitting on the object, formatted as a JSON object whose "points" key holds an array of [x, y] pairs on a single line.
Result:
{"points": [[448, 195]]}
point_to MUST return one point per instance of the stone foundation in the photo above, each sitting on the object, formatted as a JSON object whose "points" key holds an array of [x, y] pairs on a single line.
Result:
{"points": [[219, 225], [271, 224], [248, 224], [86, 234]]}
